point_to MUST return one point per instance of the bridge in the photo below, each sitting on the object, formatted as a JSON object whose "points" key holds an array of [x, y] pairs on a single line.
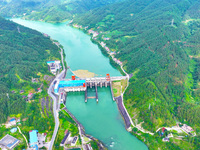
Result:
{"points": [[100, 79]]}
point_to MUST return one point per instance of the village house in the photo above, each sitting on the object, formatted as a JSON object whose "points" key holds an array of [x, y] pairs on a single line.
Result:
{"points": [[34, 80], [106, 38], [12, 122], [22, 91], [77, 26], [103, 44], [94, 33], [107, 49], [187, 128], [89, 147], [13, 130], [23, 96], [46, 35], [65, 139], [74, 140], [54, 65], [39, 90], [30, 95], [165, 139]]}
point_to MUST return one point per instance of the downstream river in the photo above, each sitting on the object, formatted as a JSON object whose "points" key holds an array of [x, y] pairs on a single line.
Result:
{"points": [[102, 120]]}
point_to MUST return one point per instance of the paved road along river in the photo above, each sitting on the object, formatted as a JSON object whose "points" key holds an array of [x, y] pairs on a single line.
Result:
{"points": [[102, 120]]}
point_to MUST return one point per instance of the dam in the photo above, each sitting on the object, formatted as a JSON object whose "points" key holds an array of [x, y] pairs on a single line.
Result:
{"points": [[81, 84]]}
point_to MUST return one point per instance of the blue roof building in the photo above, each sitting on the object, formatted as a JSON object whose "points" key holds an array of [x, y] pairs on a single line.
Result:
{"points": [[69, 83], [35, 147], [13, 130], [33, 137], [49, 62], [12, 120]]}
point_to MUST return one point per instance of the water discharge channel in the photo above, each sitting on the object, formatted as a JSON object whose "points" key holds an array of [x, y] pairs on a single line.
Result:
{"points": [[102, 120]]}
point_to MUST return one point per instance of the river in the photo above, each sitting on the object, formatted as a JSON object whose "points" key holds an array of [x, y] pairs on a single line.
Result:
{"points": [[102, 120]]}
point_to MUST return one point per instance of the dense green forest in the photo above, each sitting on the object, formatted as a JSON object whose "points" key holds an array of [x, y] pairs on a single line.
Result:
{"points": [[158, 42], [19, 7], [24, 53], [49, 10]]}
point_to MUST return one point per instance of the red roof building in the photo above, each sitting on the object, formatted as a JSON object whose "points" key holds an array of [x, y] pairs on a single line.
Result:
{"points": [[163, 129]]}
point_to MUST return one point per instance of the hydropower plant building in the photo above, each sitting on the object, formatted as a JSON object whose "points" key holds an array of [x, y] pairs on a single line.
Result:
{"points": [[70, 85]]}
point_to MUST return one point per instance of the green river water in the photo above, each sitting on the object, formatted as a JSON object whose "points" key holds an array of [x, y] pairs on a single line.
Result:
{"points": [[102, 120]]}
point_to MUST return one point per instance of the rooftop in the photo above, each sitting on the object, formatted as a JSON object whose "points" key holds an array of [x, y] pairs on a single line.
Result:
{"points": [[74, 139], [33, 137], [13, 119], [71, 81], [49, 62], [13, 130], [65, 138], [9, 141]]}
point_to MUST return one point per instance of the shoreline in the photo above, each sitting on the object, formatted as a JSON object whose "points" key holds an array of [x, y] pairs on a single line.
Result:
{"points": [[119, 68], [122, 71], [79, 125]]}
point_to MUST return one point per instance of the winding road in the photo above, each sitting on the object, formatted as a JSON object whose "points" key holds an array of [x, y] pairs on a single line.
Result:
{"points": [[55, 111]]}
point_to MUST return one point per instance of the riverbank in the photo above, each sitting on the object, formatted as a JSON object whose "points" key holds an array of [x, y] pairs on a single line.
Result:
{"points": [[56, 112], [118, 65], [106, 52], [82, 132]]}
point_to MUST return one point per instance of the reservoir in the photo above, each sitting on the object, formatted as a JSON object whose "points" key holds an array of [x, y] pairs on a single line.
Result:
{"points": [[103, 120]]}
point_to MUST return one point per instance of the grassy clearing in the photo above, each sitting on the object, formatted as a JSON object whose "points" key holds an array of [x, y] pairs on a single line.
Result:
{"points": [[20, 80], [116, 88], [124, 84]]}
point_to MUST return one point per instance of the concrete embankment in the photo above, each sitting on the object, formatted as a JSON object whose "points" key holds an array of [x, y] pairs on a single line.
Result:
{"points": [[123, 112], [111, 88]]}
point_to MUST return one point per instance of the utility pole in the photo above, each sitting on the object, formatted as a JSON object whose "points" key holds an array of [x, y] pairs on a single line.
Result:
{"points": [[8, 96], [172, 22], [18, 29]]}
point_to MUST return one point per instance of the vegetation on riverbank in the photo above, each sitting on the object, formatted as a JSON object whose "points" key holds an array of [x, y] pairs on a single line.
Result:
{"points": [[119, 87], [105, 53], [155, 141], [24, 80], [154, 43]]}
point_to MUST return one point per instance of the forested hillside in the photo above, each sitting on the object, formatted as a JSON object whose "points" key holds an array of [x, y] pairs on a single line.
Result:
{"points": [[24, 53], [49, 10], [158, 42], [19, 7]]}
